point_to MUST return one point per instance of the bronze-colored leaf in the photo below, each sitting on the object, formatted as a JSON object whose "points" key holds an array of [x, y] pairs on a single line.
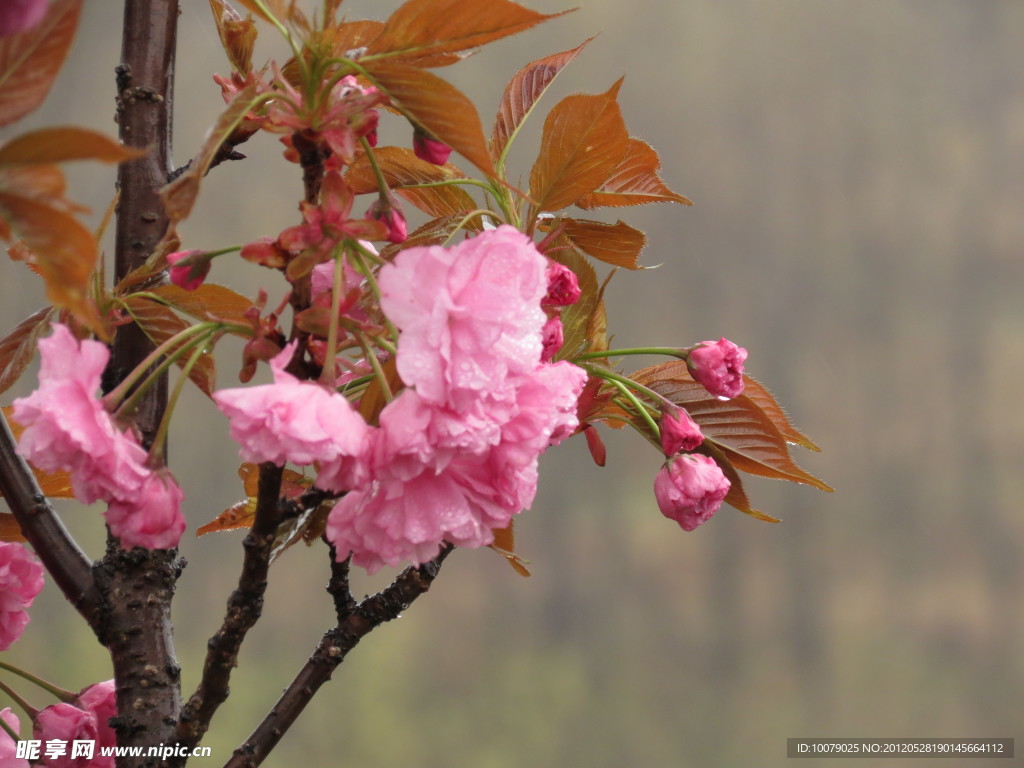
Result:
{"points": [[43, 182], [180, 195], [578, 320], [19, 346], [401, 168], [584, 139], [9, 528], [434, 232], [737, 495], [278, 8], [373, 400], [522, 93], [438, 107], [59, 145], [747, 437], [207, 302], [237, 35], [30, 60], [352, 35], [617, 244], [238, 515], [160, 323], [505, 545], [634, 181], [422, 31], [763, 399], [63, 253]]}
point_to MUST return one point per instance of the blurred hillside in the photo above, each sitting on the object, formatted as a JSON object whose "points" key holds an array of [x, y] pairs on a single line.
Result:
{"points": [[859, 227]]}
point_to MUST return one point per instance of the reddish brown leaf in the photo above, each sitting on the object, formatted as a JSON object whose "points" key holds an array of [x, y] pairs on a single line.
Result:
{"points": [[522, 93], [373, 401], [438, 107], [738, 428], [160, 323], [241, 513], [505, 545], [30, 60], [19, 346], [584, 139], [279, 9], [43, 182], [238, 515], [9, 528], [207, 302], [180, 195], [580, 332], [421, 30], [352, 35], [237, 35], [763, 399], [58, 145], [633, 181], [63, 253], [617, 244], [401, 168], [598, 451]]}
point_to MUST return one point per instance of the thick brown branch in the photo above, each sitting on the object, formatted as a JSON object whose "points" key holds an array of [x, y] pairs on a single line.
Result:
{"points": [[245, 605], [331, 651], [70, 569]]}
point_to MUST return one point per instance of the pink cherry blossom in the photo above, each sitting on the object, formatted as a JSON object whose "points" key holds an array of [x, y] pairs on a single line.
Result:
{"points": [[21, 579], [67, 723], [188, 269], [8, 746], [19, 15], [297, 421], [431, 150], [67, 427], [151, 517], [101, 701], [718, 365], [389, 213], [678, 431], [690, 489], [470, 315], [552, 338], [563, 286]]}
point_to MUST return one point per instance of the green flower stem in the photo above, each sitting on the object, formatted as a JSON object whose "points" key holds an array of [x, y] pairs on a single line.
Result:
{"points": [[378, 372], [29, 709], [638, 405], [118, 393], [453, 182], [382, 183], [371, 280], [327, 374], [669, 351], [467, 218], [285, 33], [55, 690], [156, 453], [10, 731]]}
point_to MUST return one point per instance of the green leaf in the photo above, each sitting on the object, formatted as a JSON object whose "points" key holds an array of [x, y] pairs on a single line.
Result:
{"points": [[30, 60]]}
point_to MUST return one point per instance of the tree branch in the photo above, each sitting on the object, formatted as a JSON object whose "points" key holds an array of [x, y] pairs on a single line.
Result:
{"points": [[67, 565], [245, 605], [330, 652]]}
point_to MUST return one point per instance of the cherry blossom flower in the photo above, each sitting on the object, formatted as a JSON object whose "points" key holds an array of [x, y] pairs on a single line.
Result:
{"points": [[690, 489], [188, 269], [66, 723], [21, 579], [718, 365], [67, 427], [151, 517], [470, 315], [678, 431], [100, 700], [8, 746], [19, 15], [389, 213], [552, 338], [429, 149], [563, 286], [297, 421]]}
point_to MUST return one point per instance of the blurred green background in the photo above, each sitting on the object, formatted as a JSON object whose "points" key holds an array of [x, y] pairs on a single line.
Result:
{"points": [[859, 226]]}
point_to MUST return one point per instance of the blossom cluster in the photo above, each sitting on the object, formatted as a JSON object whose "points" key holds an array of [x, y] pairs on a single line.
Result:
{"points": [[454, 455], [67, 427], [21, 579]]}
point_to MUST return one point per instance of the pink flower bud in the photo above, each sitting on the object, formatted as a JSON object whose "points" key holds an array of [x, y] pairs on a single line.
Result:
{"points": [[563, 286], [21, 579], [389, 213], [67, 723], [431, 150], [188, 269], [678, 431], [150, 518], [552, 338], [19, 15], [690, 489], [100, 700], [8, 746], [718, 365]]}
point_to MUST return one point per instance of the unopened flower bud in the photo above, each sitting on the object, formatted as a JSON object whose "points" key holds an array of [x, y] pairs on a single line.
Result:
{"points": [[389, 213], [718, 365], [678, 431], [563, 286], [552, 337], [188, 269], [431, 150], [690, 489]]}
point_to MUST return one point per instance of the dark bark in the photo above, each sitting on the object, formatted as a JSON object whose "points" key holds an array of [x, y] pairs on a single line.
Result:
{"points": [[138, 585], [333, 648]]}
